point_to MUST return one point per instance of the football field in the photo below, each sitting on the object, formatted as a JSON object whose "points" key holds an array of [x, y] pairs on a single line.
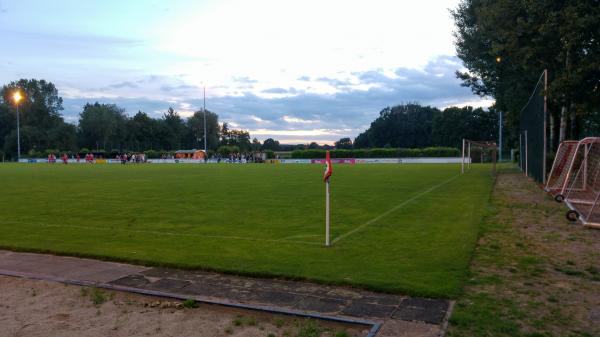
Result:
{"points": [[397, 228]]}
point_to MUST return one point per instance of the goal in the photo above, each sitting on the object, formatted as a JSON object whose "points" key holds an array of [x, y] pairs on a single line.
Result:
{"points": [[581, 183], [557, 179], [478, 152]]}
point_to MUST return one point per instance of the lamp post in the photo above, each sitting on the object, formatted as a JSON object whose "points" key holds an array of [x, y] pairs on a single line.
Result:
{"points": [[204, 109], [17, 98], [498, 60]]}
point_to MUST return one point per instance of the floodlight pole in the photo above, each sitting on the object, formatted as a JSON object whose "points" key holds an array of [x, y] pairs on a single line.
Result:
{"points": [[526, 157], [462, 163], [500, 136], [18, 135], [204, 109], [327, 213]]}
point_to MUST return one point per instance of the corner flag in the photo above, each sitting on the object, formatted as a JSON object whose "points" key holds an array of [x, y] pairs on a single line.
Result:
{"points": [[328, 168], [328, 171]]}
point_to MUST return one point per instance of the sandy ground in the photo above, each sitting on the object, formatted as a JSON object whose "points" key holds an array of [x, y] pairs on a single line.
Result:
{"points": [[40, 308]]}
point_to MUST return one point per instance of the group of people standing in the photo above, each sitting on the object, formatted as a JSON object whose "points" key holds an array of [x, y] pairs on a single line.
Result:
{"points": [[89, 158], [131, 157]]}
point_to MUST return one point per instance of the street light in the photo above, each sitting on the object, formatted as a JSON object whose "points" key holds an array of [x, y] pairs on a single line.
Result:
{"points": [[204, 109], [17, 98], [498, 60]]}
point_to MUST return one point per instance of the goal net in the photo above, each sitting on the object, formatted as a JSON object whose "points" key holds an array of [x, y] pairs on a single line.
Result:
{"points": [[478, 152], [581, 186], [557, 179]]}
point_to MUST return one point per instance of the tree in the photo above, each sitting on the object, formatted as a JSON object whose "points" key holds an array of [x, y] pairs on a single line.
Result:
{"points": [[40, 117], [455, 124], [102, 125], [407, 125], [195, 127], [256, 145], [63, 137], [173, 130], [506, 44], [344, 143], [233, 137], [7, 122], [141, 132], [270, 144]]}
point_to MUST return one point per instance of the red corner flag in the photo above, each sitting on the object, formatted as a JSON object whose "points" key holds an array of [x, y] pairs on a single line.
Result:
{"points": [[328, 168]]}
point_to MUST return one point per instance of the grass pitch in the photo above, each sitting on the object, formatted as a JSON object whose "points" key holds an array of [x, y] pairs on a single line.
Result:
{"points": [[396, 228]]}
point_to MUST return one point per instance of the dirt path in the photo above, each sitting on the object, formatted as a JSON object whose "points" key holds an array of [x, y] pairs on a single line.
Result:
{"points": [[39, 308], [533, 273]]}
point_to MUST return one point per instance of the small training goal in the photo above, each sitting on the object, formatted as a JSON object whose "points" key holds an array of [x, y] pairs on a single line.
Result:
{"points": [[478, 152], [575, 179]]}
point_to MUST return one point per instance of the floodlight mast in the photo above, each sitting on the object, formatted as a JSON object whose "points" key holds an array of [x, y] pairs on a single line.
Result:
{"points": [[204, 109], [17, 97]]}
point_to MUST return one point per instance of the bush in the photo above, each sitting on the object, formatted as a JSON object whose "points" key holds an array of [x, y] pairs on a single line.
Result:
{"points": [[441, 152], [378, 153]]}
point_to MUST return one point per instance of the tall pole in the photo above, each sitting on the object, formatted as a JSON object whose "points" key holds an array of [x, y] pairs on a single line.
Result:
{"points": [[545, 128], [526, 156], [462, 163], [18, 136], [327, 213], [500, 137], [204, 109]]}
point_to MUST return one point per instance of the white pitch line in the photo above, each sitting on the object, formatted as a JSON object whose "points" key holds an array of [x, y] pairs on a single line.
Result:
{"points": [[300, 236], [179, 234], [395, 208]]}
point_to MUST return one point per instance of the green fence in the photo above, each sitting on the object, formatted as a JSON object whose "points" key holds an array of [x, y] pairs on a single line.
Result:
{"points": [[532, 134]]}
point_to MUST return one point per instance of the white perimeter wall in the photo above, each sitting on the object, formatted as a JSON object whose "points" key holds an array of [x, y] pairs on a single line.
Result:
{"points": [[417, 160]]}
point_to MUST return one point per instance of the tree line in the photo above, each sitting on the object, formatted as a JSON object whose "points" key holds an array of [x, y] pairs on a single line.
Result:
{"points": [[106, 127], [416, 126]]}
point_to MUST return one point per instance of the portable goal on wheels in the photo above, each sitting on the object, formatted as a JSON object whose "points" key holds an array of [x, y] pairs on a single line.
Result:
{"points": [[575, 179], [474, 152], [557, 179]]}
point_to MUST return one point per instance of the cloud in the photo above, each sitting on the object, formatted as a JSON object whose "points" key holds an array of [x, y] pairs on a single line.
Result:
{"points": [[121, 85], [169, 88], [275, 91], [244, 79], [294, 114], [296, 120]]}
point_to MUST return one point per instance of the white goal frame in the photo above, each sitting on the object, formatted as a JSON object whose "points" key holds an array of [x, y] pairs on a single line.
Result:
{"points": [[483, 146], [575, 180]]}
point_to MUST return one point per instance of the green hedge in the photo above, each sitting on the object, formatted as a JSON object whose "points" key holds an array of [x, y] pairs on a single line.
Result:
{"points": [[379, 153]]}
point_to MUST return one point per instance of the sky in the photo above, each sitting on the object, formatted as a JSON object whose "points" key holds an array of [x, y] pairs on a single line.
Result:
{"points": [[297, 71]]}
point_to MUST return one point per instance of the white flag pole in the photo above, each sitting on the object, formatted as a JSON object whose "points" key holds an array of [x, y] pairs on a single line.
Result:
{"points": [[327, 213]]}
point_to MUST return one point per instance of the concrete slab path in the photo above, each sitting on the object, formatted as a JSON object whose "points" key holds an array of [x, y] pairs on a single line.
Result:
{"points": [[399, 315]]}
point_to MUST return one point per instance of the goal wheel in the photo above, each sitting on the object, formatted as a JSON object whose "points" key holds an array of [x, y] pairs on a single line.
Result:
{"points": [[572, 215], [559, 198]]}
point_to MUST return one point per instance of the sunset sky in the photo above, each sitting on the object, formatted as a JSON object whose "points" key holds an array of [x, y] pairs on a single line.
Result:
{"points": [[297, 71]]}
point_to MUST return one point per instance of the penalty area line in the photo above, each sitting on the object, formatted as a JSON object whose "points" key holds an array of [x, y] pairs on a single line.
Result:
{"points": [[393, 209]]}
